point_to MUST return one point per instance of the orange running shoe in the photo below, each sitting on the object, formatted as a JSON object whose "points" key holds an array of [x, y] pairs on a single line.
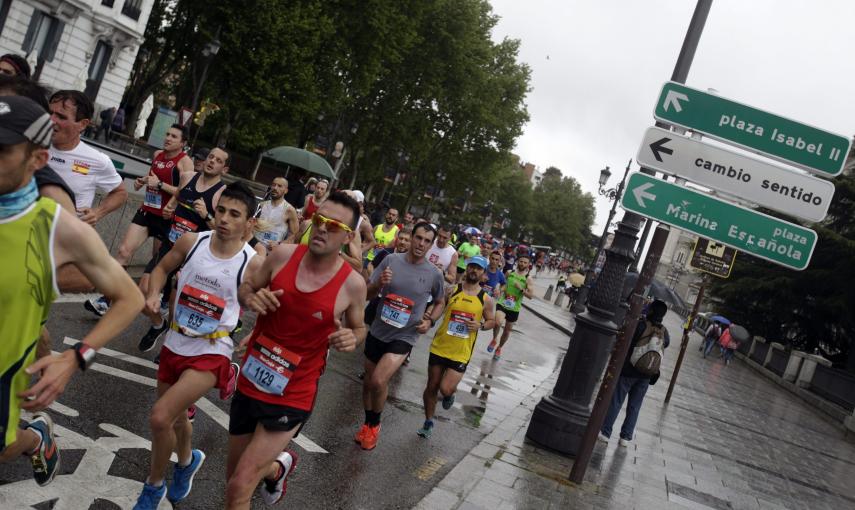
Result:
{"points": [[369, 440], [360, 435]]}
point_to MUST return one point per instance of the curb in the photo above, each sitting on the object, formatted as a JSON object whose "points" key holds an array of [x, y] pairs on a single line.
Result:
{"points": [[552, 322]]}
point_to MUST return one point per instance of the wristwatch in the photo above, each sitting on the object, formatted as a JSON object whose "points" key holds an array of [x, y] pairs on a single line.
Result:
{"points": [[159, 184], [209, 217], [432, 321], [85, 355]]}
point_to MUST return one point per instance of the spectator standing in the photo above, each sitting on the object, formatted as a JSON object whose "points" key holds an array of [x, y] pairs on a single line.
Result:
{"points": [[640, 370], [118, 124]]}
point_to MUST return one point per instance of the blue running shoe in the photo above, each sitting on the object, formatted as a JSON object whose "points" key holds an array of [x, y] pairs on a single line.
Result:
{"points": [[45, 460], [182, 477], [150, 497], [426, 429], [447, 402]]}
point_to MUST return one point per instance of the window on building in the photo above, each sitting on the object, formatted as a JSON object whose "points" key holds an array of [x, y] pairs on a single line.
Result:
{"points": [[132, 9], [97, 69], [4, 11], [108, 3], [43, 35]]}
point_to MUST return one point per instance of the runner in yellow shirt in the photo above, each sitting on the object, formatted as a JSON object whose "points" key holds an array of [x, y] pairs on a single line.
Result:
{"points": [[469, 309]]}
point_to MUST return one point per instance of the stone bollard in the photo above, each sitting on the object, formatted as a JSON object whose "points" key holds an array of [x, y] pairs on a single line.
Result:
{"points": [[559, 298], [772, 347], [794, 364], [548, 295], [754, 343], [808, 369]]}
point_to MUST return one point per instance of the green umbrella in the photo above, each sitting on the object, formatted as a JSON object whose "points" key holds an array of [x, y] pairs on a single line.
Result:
{"points": [[301, 158]]}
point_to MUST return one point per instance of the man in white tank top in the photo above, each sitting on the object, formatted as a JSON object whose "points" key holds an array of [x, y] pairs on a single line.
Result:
{"points": [[443, 255], [277, 219], [196, 355]]}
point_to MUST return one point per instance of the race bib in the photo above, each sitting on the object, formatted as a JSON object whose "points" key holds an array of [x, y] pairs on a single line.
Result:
{"points": [[509, 302], [269, 366], [180, 226], [198, 313], [271, 236], [457, 323], [153, 199], [396, 310]]}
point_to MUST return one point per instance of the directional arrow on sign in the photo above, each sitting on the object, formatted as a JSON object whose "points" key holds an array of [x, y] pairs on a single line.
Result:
{"points": [[813, 149], [659, 146], [641, 193], [760, 182], [752, 232], [673, 99]]}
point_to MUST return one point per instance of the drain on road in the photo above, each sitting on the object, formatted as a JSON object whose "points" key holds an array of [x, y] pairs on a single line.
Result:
{"points": [[429, 468], [692, 498]]}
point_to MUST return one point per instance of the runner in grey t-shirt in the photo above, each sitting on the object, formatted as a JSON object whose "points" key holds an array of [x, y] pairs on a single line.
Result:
{"points": [[404, 281], [404, 299]]}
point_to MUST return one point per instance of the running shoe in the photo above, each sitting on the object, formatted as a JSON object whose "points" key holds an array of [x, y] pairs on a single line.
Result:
{"points": [[426, 430], [369, 440], [447, 402], [625, 442], [191, 413], [492, 346], [360, 434], [150, 497], [273, 491], [45, 459], [98, 306], [227, 392], [148, 342], [602, 437], [182, 477], [498, 354]]}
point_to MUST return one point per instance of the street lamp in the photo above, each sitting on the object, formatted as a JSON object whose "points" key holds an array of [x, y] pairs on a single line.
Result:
{"points": [[612, 195], [208, 52]]}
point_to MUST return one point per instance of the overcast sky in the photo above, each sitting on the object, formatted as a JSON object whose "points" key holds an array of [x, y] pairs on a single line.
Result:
{"points": [[597, 68]]}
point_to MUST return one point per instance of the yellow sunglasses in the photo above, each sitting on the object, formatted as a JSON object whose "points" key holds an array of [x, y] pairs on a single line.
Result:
{"points": [[330, 224]]}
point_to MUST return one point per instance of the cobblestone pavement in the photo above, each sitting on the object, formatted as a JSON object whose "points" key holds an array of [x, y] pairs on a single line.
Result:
{"points": [[729, 439]]}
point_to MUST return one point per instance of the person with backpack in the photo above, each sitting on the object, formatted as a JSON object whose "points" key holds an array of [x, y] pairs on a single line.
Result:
{"points": [[729, 344], [711, 336], [640, 370]]}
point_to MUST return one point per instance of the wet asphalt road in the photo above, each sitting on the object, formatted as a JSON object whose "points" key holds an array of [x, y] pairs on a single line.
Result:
{"points": [[104, 432]]}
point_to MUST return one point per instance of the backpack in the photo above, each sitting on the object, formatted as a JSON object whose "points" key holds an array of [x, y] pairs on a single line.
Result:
{"points": [[647, 354]]}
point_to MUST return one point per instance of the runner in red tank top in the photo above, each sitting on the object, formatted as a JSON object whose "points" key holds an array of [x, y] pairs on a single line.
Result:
{"points": [[300, 294], [161, 183]]}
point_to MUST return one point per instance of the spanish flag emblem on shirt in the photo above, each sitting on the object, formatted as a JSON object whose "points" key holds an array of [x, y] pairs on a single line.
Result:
{"points": [[80, 168]]}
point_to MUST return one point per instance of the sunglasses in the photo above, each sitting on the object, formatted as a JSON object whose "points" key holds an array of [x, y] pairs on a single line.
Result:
{"points": [[330, 224]]}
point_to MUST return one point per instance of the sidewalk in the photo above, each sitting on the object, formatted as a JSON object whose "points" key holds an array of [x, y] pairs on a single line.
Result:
{"points": [[729, 439]]}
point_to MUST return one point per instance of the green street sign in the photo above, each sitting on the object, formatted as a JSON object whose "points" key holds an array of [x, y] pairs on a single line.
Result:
{"points": [[810, 148], [748, 231]]}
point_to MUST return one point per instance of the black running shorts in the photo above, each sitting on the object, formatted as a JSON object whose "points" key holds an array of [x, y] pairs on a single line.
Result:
{"points": [[375, 349], [435, 359], [156, 225], [510, 315], [246, 413]]}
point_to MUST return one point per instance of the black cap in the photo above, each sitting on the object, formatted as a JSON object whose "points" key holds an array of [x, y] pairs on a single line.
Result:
{"points": [[201, 153], [22, 119]]}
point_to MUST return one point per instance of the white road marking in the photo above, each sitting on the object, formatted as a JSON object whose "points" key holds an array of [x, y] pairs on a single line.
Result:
{"points": [[203, 404], [75, 298], [117, 354], [65, 410]]}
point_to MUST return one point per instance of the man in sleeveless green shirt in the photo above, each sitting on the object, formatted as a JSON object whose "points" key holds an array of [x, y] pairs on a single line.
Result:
{"points": [[34, 246], [518, 285]]}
